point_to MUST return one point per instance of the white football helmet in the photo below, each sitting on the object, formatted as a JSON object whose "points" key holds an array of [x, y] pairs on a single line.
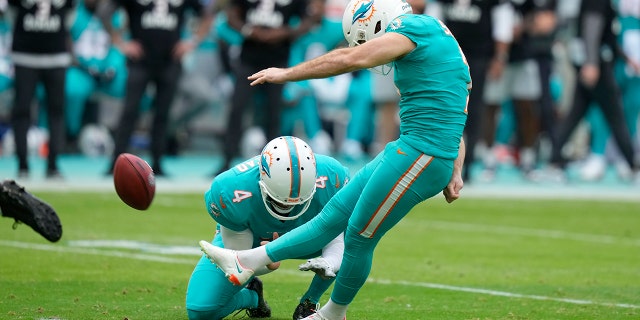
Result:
{"points": [[287, 177], [364, 20]]}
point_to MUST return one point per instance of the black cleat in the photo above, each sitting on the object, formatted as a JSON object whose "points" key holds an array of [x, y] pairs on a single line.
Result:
{"points": [[17, 203], [305, 309], [262, 310]]}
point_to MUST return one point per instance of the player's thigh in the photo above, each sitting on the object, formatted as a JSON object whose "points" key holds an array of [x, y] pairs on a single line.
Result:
{"points": [[208, 288], [79, 84], [117, 86], [346, 199], [402, 178]]}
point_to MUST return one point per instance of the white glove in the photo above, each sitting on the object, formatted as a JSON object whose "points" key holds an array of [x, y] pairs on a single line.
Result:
{"points": [[320, 266]]}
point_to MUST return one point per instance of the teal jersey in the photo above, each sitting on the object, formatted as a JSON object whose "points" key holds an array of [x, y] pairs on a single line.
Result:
{"points": [[235, 202], [629, 35], [434, 84], [91, 42], [6, 66], [324, 37], [225, 32]]}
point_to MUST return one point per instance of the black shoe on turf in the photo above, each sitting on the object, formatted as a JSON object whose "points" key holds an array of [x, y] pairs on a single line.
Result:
{"points": [[17, 203], [262, 310], [305, 309]]}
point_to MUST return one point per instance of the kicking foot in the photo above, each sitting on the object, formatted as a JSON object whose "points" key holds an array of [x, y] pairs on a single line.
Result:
{"points": [[227, 261]]}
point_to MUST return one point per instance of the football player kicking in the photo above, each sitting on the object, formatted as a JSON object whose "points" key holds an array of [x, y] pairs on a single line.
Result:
{"points": [[432, 77], [255, 202]]}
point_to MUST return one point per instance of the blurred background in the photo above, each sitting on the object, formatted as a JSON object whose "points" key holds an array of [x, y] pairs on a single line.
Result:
{"points": [[350, 116]]}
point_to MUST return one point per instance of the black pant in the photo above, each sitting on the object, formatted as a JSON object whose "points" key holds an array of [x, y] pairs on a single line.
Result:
{"points": [[547, 106], [245, 95], [26, 80], [478, 68], [607, 96], [165, 77]]}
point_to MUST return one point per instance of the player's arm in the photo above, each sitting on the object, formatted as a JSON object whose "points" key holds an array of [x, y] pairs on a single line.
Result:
{"points": [[328, 264], [132, 49], [452, 191], [236, 240], [389, 47], [204, 23], [106, 10], [502, 35], [593, 26], [203, 28], [242, 240]]}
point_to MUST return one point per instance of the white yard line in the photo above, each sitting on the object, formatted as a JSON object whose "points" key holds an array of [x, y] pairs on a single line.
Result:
{"points": [[82, 249], [540, 233], [501, 293]]}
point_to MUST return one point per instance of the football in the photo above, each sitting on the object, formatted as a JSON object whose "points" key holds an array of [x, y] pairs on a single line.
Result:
{"points": [[134, 181]]}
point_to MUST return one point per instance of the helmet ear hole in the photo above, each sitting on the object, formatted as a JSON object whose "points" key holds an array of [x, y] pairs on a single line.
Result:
{"points": [[378, 27]]}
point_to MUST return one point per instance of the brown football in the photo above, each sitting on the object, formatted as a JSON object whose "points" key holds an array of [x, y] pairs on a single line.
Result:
{"points": [[134, 181]]}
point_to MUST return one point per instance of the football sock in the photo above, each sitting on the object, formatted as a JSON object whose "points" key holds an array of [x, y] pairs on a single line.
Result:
{"points": [[316, 289], [332, 310], [254, 258]]}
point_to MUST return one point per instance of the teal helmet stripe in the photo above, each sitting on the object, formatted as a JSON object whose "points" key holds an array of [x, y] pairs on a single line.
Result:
{"points": [[295, 168]]}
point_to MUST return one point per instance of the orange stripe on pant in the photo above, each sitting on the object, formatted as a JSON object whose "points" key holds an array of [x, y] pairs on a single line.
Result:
{"points": [[395, 194]]}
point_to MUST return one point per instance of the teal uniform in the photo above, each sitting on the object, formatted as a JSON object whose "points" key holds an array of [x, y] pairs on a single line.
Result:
{"points": [[95, 54], [627, 79], [434, 84], [305, 102], [235, 202], [6, 73], [6, 66], [299, 95]]}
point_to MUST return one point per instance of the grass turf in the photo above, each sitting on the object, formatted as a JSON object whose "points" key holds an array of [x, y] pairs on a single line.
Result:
{"points": [[473, 259]]}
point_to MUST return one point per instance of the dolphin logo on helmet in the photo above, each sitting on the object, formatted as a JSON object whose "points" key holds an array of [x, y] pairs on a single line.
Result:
{"points": [[361, 12], [265, 162]]}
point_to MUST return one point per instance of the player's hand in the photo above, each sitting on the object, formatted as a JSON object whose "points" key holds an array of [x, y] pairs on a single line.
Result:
{"points": [[452, 191], [275, 265], [496, 69], [635, 66], [273, 75], [182, 48], [132, 49], [589, 75], [320, 266]]}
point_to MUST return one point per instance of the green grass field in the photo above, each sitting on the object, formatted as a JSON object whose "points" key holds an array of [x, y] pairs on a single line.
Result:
{"points": [[474, 259]]}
